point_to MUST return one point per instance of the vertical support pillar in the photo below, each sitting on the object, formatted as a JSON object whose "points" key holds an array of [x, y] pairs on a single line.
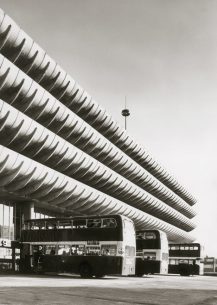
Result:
{"points": [[22, 211], [27, 211]]}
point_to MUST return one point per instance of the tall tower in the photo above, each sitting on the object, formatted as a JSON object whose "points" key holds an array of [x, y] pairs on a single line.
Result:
{"points": [[125, 113]]}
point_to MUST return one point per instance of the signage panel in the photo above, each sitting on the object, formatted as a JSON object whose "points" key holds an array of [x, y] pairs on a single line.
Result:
{"points": [[5, 243]]}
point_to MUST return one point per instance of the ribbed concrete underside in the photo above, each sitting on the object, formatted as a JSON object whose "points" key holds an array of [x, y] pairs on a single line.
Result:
{"points": [[60, 148]]}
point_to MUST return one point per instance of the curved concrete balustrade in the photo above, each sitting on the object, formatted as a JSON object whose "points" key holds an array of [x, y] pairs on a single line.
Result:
{"points": [[24, 135], [31, 180], [27, 96], [32, 59]]}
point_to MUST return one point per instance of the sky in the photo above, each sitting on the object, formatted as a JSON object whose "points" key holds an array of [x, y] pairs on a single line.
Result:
{"points": [[161, 55]]}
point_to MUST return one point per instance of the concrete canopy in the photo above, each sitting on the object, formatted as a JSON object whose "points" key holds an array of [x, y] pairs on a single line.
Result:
{"points": [[63, 151]]}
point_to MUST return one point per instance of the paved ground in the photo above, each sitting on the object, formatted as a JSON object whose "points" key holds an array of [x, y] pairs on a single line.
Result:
{"points": [[65, 290]]}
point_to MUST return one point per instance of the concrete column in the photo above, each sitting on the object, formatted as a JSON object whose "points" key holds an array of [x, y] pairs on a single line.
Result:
{"points": [[27, 211], [22, 211]]}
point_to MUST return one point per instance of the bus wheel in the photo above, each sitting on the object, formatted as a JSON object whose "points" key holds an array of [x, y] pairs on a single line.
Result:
{"points": [[85, 271], [139, 274]]}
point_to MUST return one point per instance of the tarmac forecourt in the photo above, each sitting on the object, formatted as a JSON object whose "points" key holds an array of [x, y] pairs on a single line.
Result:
{"points": [[69, 289]]}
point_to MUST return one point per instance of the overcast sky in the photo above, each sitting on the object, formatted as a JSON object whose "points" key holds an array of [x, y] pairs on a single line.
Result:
{"points": [[161, 54]]}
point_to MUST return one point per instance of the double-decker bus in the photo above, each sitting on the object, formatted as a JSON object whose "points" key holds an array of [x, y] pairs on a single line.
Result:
{"points": [[186, 259], [87, 245], [151, 252]]}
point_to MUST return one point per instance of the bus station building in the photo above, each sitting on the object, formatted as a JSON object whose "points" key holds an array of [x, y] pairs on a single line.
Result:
{"points": [[62, 154]]}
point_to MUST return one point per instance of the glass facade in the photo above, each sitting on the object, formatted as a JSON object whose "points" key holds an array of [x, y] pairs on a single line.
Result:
{"points": [[6, 235], [6, 221], [12, 216]]}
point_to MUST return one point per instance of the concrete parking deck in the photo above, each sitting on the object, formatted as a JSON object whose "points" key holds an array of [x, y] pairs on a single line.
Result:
{"points": [[65, 290]]}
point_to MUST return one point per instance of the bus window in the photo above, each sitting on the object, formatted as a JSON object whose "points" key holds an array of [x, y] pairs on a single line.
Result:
{"points": [[183, 261], [209, 260], [150, 235], [50, 225], [78, 249], [79, 223], [65, 224], [39, 225], [186, 248], [34, 226], [109, 250], [94, 223], [50, 249], [139, 253], [38, 248], [109, 223], [146, 235], [140, 235], [173, 248], [182, 248], [93, 250], [195, 247], [63, 250], [150, 255], [26, 226]]}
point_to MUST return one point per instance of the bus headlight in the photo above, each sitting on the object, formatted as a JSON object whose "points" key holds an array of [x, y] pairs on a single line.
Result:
{"points": [[120, 251]]}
